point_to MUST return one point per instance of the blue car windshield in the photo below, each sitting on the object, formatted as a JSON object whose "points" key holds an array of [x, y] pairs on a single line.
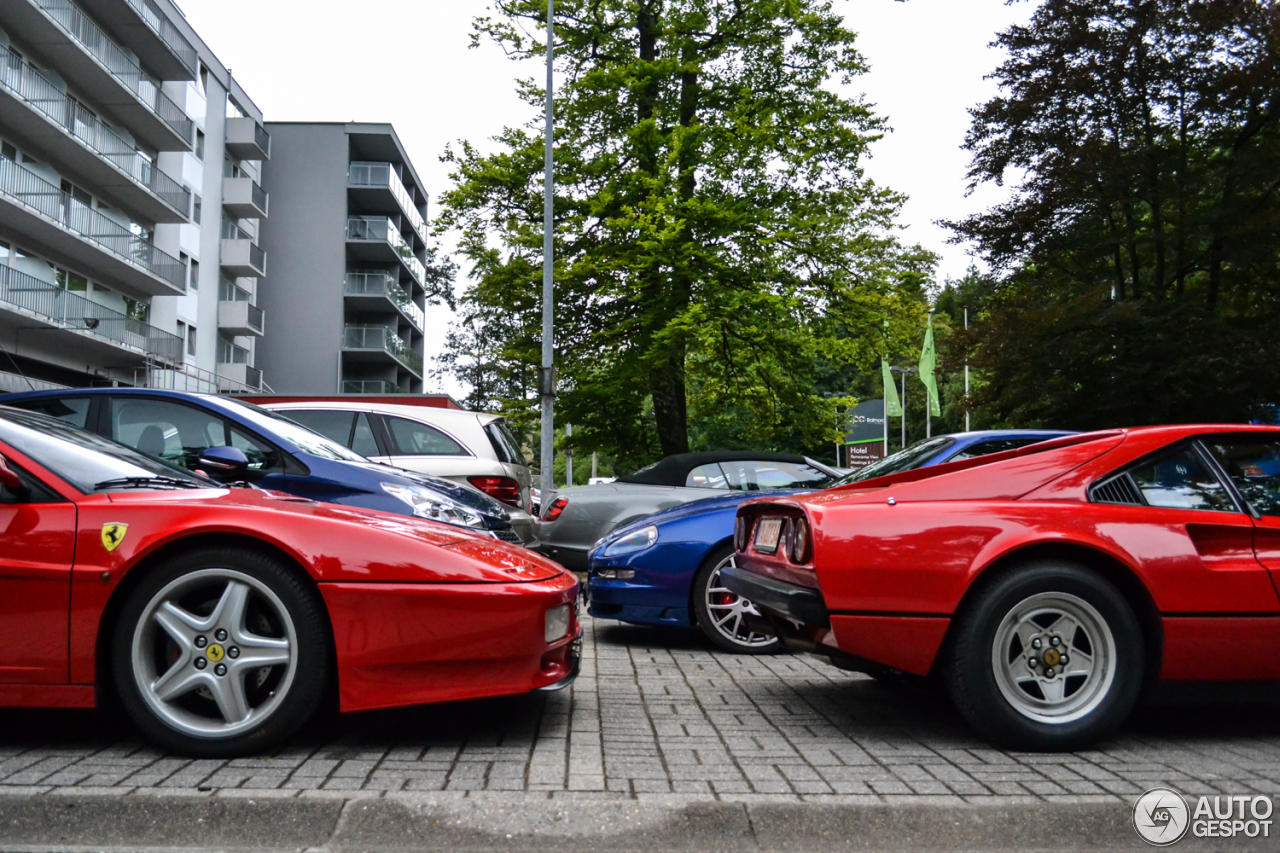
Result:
{"points": [[904, 460], [294, 433]]}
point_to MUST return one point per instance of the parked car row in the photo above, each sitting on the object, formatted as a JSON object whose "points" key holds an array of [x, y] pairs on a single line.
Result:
{"points": [[221, 571]]}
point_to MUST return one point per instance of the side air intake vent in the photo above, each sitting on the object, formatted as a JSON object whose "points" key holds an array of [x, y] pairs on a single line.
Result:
{"points": [[1117, 490]]}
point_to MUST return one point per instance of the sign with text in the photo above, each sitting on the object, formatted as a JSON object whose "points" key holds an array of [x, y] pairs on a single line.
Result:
{"points": [[865, 436]]}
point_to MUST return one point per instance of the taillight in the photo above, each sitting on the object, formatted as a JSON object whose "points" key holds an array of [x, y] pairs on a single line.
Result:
{"points": [[740, 534], [800, 541], [554, 509], [504, 489]]}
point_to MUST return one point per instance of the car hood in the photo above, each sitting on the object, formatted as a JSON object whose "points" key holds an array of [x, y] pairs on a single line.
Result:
{"points": [[336, 543]]}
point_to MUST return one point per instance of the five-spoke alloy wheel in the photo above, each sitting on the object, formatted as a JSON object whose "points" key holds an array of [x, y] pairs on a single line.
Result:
{"points": [[722, 615], [220, 651], [1048, 656]]}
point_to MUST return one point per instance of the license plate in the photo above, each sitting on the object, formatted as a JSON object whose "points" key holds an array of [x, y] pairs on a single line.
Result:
{"points": [[768, 533]]}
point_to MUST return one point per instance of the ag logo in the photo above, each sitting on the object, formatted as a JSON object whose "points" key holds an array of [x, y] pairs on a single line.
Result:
{"points": [[113, 534], [1161, 817]]}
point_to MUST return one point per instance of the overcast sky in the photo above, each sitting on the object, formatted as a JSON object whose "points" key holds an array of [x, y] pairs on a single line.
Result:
{"points": [[408, 62]]}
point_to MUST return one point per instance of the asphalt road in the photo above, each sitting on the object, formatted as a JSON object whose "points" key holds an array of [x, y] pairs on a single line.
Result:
{"points": [[662, 743]]}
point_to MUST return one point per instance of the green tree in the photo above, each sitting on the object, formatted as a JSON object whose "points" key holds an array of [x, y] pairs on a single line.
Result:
{"points": [[1137, 257], [720, 255]]}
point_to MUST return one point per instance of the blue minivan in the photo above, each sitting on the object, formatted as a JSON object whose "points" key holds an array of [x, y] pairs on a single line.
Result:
{"points": [[181, 428]]}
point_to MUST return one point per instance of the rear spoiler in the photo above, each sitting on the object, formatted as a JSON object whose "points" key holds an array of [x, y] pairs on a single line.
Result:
{"points": [[917, 474]]}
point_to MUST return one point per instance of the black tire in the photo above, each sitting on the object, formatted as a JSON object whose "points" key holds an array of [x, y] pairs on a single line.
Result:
{"points": [[1080, 709], [277, 600], [706, 620]]}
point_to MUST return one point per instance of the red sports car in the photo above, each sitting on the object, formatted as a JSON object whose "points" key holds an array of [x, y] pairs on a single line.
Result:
{"points": [[222, 617], [1046, 587]]}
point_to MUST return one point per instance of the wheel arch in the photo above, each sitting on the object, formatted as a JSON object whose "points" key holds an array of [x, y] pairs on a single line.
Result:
{"points": [[693, 582], [1105, 564], [141, 569]]}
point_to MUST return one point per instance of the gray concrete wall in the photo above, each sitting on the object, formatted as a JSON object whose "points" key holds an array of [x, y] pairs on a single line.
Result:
{"points": [[305, 243]]}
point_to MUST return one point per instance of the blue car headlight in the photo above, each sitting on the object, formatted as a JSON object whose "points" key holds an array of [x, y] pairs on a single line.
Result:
{"points": [[631, 543], [429, 504]]}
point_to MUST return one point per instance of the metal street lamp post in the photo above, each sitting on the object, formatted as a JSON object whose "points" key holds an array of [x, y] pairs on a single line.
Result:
{"points": [[546, 376]]}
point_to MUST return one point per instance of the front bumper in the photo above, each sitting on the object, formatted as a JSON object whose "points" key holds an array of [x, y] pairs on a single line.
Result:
{"points": [[411, 644]]}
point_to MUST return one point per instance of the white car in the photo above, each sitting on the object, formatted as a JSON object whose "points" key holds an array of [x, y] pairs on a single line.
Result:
{"points": [[473, 448]]}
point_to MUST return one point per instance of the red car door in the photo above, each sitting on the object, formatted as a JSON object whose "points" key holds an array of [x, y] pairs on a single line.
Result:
{"points": [[1252, 462], [37, 544]]}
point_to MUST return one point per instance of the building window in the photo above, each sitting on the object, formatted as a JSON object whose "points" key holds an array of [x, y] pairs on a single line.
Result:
{"points": [[182, 329], [70, 281], [200, 145], [9, 152], [195, 274], [191, 341], [137, 310], [196, 207], [203, 77]]}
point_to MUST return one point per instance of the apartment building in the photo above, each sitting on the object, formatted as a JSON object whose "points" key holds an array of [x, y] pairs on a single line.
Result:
{"points": [[131, 202], [347, 239]]}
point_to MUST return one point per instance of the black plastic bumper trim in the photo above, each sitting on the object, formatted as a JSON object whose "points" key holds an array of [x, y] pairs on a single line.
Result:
{"points": [[789, 600]]}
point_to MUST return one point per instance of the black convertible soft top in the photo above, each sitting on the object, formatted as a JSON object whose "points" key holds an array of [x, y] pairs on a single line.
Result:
{"points": [[674, 470]]}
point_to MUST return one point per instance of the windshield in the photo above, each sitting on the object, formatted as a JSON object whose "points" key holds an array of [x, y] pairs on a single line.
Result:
{"points": [[904, 460], [86, 461], [295, 433]]}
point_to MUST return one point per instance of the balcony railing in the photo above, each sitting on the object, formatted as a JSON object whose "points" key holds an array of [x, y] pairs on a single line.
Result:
{"points": [[362, 174], [382, 284], [382, 338], [169, 34], [380, 228], [73, 311], [95, 42], [370, 386], [27, 188], [33, 87]]}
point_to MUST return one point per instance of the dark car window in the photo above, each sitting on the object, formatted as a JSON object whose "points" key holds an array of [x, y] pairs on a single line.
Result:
{"points": [[174, 432], [262, 457], [752, 475], [1181, 480], [995, 445], [71, 410], [82, 458], [279, 427], [1254, 466], [417, 439], [330, 424], [912, 457], [362, 440], [504, 443]]}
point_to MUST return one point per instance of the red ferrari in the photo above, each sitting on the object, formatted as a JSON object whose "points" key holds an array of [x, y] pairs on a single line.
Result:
{"points": [[222, 617], [1046, 587]]}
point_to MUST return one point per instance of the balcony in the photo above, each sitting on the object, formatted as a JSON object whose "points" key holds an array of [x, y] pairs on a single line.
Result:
{"points": [[239, 377], [378, 291], [377, 238], [372, 343], [248, 139], [144, 29], [370, 386], [240, 255], [240, 318], [32, 106], [41, 212], [243, 198], [100, 332], [377, 188], [79, 50]]}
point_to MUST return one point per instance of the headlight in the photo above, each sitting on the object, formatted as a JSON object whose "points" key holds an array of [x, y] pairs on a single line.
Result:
{"points": [[557, 623], [632, 542], [434, 506]]}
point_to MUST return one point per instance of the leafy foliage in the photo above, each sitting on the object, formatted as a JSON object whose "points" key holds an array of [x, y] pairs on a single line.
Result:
{"points": [[722, 262], [1138, 257]]}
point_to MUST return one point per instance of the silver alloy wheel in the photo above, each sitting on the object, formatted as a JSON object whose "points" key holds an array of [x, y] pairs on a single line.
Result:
{"points": [[192, 668], [727, 610], [1054, 658]]}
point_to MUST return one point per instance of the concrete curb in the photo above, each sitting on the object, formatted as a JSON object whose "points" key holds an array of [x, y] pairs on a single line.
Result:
{"points": [[245, 821]]}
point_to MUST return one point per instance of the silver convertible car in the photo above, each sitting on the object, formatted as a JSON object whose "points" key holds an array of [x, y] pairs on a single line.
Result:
{"points": [[575, 519]]}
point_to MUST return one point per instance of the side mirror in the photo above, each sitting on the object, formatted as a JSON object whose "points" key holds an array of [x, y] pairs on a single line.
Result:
{"points": [[10, 480], [225, 464]]}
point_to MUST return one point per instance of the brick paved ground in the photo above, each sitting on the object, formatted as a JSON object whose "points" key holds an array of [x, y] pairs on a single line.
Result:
{"points": [[656, 712]]}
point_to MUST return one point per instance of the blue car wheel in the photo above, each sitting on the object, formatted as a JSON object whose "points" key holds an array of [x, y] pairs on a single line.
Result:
{"points": [[721, 614]]}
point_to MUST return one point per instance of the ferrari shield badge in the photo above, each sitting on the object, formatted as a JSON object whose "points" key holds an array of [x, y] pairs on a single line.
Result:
{"points": [[113, 534]]}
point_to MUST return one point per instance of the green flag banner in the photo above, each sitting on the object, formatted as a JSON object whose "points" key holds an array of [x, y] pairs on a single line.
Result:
{"points": [[928, 359], [892, 405]]}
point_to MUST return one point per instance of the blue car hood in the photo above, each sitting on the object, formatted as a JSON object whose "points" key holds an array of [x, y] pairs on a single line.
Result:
{"points": [[470, 498]]}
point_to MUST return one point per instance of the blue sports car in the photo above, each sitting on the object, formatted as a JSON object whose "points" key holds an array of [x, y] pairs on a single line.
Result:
{"points": [[665, 569]]}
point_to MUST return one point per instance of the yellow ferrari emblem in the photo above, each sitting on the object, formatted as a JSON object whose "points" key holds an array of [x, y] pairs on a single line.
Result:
{"points": [[1051, 657], [113, 534], [214, 653]]}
